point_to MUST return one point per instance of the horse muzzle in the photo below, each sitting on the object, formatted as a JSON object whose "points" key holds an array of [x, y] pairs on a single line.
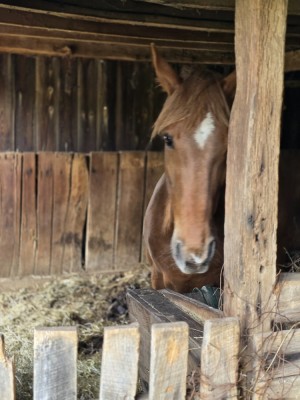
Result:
{"points": [[191, 262]]}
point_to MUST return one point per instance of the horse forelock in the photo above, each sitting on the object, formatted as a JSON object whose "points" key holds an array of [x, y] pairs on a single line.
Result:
{"points": [[199, 93]]}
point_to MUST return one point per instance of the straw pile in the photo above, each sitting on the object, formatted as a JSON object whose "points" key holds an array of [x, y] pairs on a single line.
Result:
{"points": [[90, 302]]}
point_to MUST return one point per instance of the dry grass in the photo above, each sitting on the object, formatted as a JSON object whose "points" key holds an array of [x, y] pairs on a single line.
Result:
{"points": [[90, 302]]}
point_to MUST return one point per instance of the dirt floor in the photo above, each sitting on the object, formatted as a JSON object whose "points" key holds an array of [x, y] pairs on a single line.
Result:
{"points": [[91, 302]]}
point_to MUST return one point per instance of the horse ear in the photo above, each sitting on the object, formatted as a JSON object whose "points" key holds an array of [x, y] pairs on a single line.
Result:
{"points": [[166, 76], [229, 86]]}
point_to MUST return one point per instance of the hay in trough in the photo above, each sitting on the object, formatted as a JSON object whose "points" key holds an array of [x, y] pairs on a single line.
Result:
{"points": [[91, 302]]}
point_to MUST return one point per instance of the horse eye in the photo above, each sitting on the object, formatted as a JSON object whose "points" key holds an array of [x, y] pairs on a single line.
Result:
{"points": [[168, 140]]}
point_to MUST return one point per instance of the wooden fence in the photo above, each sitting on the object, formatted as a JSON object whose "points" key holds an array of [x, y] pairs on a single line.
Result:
{"points": [[61, 212]]}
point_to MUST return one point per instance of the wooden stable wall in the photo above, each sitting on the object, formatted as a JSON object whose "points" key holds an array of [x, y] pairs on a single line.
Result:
{"points": [[64, 104], [61, 212]]}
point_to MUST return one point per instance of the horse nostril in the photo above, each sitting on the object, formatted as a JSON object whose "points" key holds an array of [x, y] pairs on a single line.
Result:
{"points": [[211, 249]]}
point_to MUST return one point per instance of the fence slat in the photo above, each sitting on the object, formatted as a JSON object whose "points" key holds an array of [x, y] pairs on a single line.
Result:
{"points": [[55, 359], [168, 366], [287, 291], [277, 366], [7, 380], [101, 211], [130, 208], [219, 359], [119, 368]]}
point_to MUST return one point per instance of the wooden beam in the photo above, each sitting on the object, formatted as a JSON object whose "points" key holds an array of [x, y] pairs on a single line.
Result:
{"points": [[7, 374], [252, 169], [220, 5], [287, 292], [292, 61]]}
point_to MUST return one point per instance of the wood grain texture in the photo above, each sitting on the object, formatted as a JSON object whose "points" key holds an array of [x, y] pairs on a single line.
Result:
{"points": [[62, 164], [6, 103], [28, 240], [73, 258], [252, 164], [119, 367], [130, 208], [148, 307], [277, 365], [168, 366], [10, 206], [7, 376], [101, 211], [219, 359], [24, 115], [45, 184], [55, 359], [287, 292]]}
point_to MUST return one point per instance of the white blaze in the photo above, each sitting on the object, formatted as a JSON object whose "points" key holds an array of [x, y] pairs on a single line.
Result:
{"points": [[204, 130]]}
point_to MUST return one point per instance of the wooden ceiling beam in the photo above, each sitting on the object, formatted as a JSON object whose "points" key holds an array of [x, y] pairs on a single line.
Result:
{"points": [[73, 48]]}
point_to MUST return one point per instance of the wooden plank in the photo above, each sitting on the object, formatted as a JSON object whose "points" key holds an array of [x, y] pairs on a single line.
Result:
{"points": [[7, 374], [76, 215], [6, 103], [287, 292], [62, 163], [130, 209], [101, 211], [55, 358], [47, 103], [197, 310], [87, 105], [277, 365], [252, 169], [45, 184], [292, 61], [154, 170], [220, 359], [10, 189], [148, 307], [24, 70], [28, 241], [168, 366], [68, 129], [119, 367]]}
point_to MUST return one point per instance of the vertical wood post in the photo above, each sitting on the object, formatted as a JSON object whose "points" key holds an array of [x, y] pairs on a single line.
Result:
{"points": [[252, 167]]}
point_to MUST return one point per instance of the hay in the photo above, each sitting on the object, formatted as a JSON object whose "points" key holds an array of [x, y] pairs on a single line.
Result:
{"points": [[91, 302]]}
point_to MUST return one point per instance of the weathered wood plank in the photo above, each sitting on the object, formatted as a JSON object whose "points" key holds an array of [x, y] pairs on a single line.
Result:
{"points": [[45, 184], [68, 129], [168, 366], [47, 103], [28, 241], [277, 365], [62, 163], [130, 208], [292, 61], [76, 215], [252, 169], [10, 189], [148, 307], [7, 375], [6, 103], [219, 359], [87, 104], [55, 358], [24, 71], [101, 211], [119, 367], [197, 310], [287, 292]]}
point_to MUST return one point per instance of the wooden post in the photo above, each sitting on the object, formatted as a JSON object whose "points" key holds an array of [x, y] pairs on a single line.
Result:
{"points": [[252, 168], [7, 378]]}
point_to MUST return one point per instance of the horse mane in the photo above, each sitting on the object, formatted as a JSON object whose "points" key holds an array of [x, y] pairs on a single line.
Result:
{"points": [[200, 87]]}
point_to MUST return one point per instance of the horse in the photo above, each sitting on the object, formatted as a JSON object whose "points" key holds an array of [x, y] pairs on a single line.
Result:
{"points": [[184, 221]]}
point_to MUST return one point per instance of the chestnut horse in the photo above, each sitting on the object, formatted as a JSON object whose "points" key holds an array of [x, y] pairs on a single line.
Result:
{"points": [[184, 221]]}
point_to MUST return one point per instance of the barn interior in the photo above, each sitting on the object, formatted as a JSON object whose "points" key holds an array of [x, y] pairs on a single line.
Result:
{"points": [[77, 104]]}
